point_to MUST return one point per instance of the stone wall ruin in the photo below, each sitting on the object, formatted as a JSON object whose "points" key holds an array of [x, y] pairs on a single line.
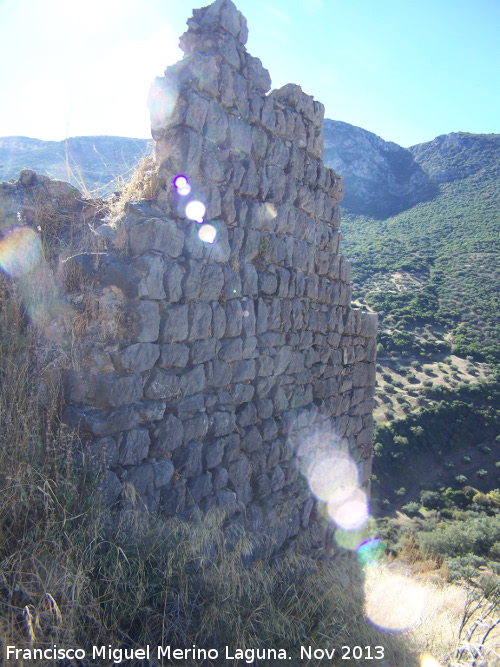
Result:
{"points": [[204, 367]]}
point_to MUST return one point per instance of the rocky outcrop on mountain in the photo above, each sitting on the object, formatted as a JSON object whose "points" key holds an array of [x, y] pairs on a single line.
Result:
{"points": [[457, 155], [381, 177]]}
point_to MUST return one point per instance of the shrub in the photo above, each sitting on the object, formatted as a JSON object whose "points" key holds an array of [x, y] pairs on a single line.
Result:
{"points": [[411, 509], [481, 473], [431, 500]]}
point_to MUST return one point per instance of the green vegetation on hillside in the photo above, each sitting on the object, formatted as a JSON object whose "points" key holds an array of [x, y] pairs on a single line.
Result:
{"points": [[438, 263], [409, 452]]}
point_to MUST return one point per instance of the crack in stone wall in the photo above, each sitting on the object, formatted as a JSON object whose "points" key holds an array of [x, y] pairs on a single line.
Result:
{"points": [[207, 365]]}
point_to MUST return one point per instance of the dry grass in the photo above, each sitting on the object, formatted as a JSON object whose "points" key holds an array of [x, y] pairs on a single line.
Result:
{"points": [[142, 184]]}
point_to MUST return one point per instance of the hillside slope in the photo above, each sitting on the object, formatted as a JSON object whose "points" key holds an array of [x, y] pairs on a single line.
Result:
{"points": [[437, 264], [96, 164]]}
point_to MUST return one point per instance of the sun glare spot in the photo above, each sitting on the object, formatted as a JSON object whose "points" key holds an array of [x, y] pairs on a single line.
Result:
{"points": [[393, 602], [19, 251], [349, 513], [332, 477], [427, 660], [182, 186], [370, 551], [195, 210], [207, 233], [270, 210]]}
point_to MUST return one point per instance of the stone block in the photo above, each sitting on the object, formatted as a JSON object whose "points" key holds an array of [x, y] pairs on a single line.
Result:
{"points": [[179, 151], [246, 415], [188, 405], [199, 487], [156, 234], [243, 370], [241, 393], [232, 284], [195, 428], [282, 360], [101, 422], [161, 384], [196, 112], [172, 281], [234, 318], [269, 430], [218, 321], [203, 350], [249, 346], [191, 282], [238, 473], [133, 446], [163, 472], [364, 375], [166, 436], [249, 186], [200, 321], [279, 399], [218, 373], [212, 282], [239, 135], [192, 380], [102, 390], [175, 324], [188, 459], [174, 355], [231, 350], [172, 499], [268, 282], [136, 358], [221, 423], [97, 455], [216, 124], [369, 325], [258, 76], [109, 488], [140, 277], [249, 281]]}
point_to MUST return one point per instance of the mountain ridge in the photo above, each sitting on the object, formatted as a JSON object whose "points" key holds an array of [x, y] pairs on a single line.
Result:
{"points": [[381, 177]]}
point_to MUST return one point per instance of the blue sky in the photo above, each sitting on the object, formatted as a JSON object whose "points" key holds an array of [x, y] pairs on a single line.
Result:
{"points": [[407, 71]]}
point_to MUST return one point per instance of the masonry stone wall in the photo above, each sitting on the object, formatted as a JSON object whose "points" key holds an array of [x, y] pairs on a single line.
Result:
{"points": [[202, 367]]}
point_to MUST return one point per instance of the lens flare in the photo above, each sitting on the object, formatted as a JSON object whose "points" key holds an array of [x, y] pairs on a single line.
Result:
{"points": [[350, 539], [370, 551], [207, 233], [195, 210], [427, 660], [393, 602], [270, 210], [333, 477], [181, 184], [349, 513], [19, 251]]}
